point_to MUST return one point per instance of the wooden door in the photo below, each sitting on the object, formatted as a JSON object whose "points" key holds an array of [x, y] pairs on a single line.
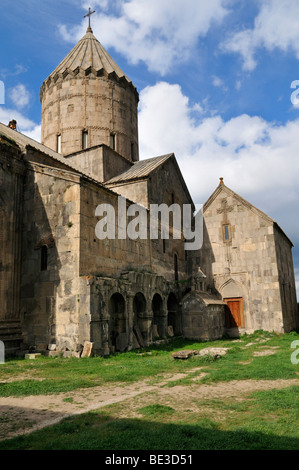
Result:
{"points": [[234, 313]]}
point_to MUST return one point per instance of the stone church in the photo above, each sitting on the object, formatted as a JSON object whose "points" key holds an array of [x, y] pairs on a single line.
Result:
{"points": [[60, 285]]}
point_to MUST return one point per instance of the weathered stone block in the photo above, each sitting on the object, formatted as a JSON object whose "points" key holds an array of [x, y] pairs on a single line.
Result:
{"points": [[185, 354], [87, 349], [32, 355]]}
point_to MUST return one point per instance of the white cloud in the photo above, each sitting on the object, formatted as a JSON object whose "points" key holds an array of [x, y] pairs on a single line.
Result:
{"points": [[258, 159], [219, 83], [276, 26], [158, 33], [20, 96], [24, 125], [34, 133]]}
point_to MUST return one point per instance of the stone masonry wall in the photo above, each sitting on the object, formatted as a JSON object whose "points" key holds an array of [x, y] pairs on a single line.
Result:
{"points": [[51, 218], [111, 257], [246, 262], [11, 183], [286, 280], [98, 105]]}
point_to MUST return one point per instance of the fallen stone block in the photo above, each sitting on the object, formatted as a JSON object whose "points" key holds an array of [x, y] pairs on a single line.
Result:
{"points": [[52, 353], [67, 354], [185, 354], [214, 352], [87, 349], [51, 347], [32, 355], [76, 354]]}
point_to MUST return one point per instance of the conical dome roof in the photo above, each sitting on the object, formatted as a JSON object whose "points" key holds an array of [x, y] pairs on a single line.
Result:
{"points": [[88, 101], [88, 57]]}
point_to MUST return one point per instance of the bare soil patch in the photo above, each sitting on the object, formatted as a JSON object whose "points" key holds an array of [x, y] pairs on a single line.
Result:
{"points": [[25, 414]]}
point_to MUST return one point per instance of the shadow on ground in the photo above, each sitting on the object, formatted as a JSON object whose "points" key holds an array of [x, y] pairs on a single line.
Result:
{"points": [[99, 431]]}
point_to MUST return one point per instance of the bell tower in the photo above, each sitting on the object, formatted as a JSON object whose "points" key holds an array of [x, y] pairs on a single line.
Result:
{"points": [[88, 101]]}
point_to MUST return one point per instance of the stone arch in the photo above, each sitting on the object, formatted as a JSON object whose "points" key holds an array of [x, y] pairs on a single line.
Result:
{"points": [[117, 321], [233, 295], [173, 317], [158, 316], [231, 288]]}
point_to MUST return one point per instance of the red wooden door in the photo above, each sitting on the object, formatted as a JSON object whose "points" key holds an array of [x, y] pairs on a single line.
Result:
{"points": [[234, 313]]}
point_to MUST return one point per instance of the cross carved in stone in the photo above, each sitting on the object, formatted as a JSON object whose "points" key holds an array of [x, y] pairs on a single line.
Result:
{"points": [[225, 208], [89, 15]]}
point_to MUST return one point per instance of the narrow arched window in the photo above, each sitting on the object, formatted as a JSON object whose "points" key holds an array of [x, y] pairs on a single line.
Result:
{"points": [[58, 143], [44, 258], [112, 141], [84, 140]]}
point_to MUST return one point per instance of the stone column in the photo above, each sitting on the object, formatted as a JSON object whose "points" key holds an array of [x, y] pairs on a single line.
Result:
{"points": [[130, 319], [148, 318], [104, 327], [164, 314]]}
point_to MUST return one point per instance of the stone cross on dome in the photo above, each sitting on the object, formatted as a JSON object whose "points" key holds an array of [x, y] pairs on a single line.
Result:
{"points": [[89, 15]]}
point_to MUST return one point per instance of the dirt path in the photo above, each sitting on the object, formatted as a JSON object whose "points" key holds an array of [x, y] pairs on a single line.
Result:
{"points": [[25, 414]]}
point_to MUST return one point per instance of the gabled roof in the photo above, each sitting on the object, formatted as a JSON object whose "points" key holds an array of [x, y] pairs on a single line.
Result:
{"points": [[223, 188], [140, 169]]}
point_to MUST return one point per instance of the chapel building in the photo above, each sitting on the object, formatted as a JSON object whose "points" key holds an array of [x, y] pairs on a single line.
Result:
{"points": [[61, 284]]}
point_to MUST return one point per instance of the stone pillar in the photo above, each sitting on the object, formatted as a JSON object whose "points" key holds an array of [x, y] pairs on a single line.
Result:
{"points": [[130, 319], [165, 318], [104, 326], [148, 318]]}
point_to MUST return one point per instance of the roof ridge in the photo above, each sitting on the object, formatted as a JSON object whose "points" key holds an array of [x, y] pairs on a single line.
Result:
{"points": [[140, 169]]}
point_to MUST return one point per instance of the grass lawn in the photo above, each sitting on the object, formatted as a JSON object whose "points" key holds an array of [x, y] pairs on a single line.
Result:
{"points": [[174, 417]]}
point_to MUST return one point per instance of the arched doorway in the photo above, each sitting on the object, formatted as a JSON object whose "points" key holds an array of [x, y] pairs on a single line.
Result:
{"points": [[232, 295], [117, 322], [158, 319], [174, 319]]}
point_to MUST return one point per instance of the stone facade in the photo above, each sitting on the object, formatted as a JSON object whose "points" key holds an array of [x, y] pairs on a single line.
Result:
{"points": [[247, 259], [88, 93], [11, 182], [62, 285]]}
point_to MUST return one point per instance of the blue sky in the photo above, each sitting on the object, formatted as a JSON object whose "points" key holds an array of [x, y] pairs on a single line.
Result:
{"points": [[214, 78]]}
